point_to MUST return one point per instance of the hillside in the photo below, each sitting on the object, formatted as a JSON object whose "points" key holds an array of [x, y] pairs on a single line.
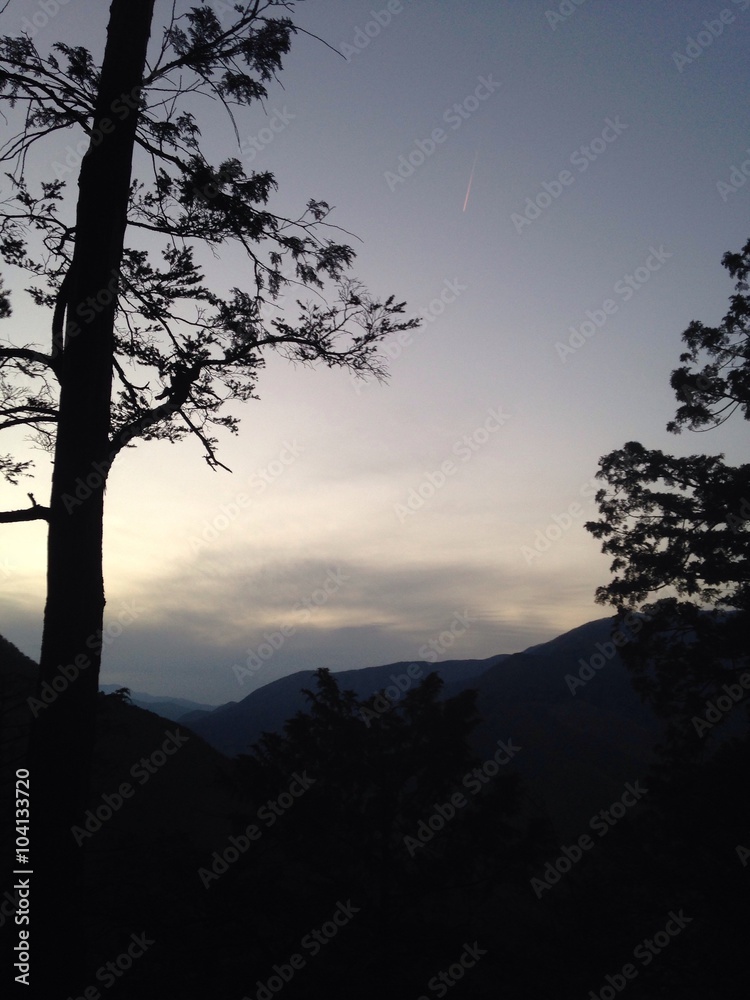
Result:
{"points": [[578, 748], [168, 708], [234, 727]]}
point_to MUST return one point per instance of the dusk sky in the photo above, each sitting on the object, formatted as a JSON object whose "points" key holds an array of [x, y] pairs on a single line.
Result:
{"points": [[552, 187]]}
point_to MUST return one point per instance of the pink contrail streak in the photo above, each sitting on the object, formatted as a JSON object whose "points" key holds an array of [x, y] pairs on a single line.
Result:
{"points": [[468, 190]]}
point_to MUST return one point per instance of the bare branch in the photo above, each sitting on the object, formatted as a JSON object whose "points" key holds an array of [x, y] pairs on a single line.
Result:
{"points": [[210, 455], [35, 513], [26, 354]]}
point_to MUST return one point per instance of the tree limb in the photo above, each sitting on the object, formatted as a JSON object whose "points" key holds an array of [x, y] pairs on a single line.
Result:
{"points": [[176, 395], [26, 354], [35, 513]]}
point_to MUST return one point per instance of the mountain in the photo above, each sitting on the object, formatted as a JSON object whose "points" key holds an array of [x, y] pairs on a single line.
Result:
{"points": [[234, 727], [581, 740], [191, 800], [568, 704], [175, 709]]}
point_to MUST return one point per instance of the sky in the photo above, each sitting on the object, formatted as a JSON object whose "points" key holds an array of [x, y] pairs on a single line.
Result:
{"points": [[551, 187]]}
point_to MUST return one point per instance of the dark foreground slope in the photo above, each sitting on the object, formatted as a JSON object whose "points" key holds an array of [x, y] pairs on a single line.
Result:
{"points": [[203, 881]]}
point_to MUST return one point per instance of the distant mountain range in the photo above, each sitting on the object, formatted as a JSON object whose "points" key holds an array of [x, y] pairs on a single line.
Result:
{"points": [[168, 708], [581, 739], [234, 727], [568, 704]]}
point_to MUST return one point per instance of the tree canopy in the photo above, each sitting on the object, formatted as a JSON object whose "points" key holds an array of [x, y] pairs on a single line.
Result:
{"points": [[679, 530], [182, 350], [398, 814]]}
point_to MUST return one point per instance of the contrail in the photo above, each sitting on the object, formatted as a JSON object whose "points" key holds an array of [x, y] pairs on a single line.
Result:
{"points": [[468, 190]]}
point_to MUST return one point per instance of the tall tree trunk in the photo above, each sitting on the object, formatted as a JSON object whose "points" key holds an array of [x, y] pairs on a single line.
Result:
{"points": [[63, 733]]}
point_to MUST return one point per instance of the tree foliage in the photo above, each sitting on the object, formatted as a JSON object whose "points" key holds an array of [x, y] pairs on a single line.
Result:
{"points": [[679, 533], [674, 524], [380, 773], [710, 394], [183, 350]]}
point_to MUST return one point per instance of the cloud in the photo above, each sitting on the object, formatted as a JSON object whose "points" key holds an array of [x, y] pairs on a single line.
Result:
{"points": [[207, 611], [302, 614]]}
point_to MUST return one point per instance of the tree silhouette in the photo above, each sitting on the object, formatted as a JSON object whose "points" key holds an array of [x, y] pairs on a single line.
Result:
{"points": [[679, 527], [139, 346], [709, 396], [380, 823]]}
